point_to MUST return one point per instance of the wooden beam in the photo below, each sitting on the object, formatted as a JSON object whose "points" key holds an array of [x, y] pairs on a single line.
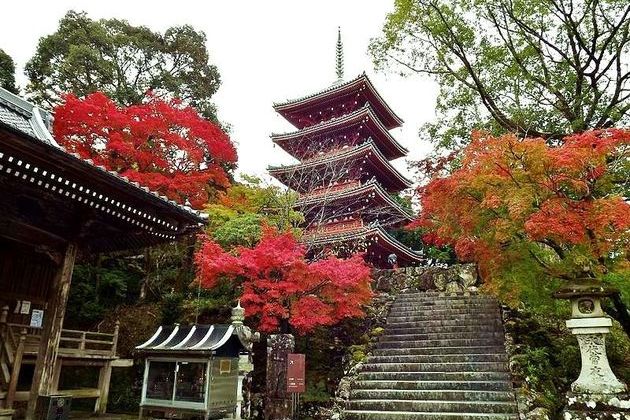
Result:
{"points": [[43, 378]]}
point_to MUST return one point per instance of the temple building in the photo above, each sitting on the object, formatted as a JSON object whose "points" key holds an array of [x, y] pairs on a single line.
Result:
{"points": [[344, 177], [55, 208]]}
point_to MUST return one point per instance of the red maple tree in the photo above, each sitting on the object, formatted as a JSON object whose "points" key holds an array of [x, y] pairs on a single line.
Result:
{"points": [[160, 144], [280, 287], [522, 204]]}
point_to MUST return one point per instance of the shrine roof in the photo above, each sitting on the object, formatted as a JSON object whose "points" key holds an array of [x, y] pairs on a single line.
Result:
{"points": [[355, 191], [364, 232], [188, 339], [386, 114], [390, 147], [366, 149], [28, 148]]}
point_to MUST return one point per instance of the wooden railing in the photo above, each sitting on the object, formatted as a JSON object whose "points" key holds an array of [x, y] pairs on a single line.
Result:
{"points": [[11, 353]]}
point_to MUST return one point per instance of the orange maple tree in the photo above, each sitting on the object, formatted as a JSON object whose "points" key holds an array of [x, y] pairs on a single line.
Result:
{"points": [[559, 208], [281, 288], [162, 145]]}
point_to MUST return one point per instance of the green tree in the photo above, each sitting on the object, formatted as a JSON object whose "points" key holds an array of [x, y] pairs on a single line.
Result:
{"points": [[533, 67], [239, 214], [124, 62], [7, 72]]}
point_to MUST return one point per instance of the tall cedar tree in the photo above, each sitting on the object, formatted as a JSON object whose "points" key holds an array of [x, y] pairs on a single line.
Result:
{"points": [[544, 68], [282, 289], [558, 211], [160, 144], [124, 61], [7, 72]]}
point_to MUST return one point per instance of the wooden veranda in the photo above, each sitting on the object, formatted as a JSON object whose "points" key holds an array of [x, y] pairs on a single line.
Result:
{"points": [[55, 207]]}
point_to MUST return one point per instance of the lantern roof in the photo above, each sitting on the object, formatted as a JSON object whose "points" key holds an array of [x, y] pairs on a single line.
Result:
{"points": [[291, 109], [197, 338], [365, 115]]}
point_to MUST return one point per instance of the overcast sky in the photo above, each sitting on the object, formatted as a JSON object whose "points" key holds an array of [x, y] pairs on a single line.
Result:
{"points": [[266, 51]]}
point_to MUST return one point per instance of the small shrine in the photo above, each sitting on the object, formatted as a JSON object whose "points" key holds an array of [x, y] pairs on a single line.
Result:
{"points": [[197, 370], [344, 176]]}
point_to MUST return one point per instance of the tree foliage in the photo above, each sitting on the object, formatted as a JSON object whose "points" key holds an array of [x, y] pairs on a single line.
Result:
{"points": [[160, 144], [540, 68], [124, 61], [7, 72], [280, 287], [524, 210], [238, 214]]}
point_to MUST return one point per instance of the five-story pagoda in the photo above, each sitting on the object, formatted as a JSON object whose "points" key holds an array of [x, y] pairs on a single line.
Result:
{"points": [[344, 176]]}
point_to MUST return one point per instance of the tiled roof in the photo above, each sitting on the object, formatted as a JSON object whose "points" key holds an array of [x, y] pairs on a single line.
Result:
{"points": [[347, 153], [362, 233], [34, 123], [355, 190], [333, 90]]}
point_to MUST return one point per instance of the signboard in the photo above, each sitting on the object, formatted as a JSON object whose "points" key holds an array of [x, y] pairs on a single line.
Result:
{"points": [[296, 364], [37, 318], [26, 307]]}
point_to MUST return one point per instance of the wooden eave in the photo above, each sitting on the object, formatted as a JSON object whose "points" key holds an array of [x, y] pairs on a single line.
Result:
{"points": [[386, 142], [332, 93], [119, 214], [388, 174]]}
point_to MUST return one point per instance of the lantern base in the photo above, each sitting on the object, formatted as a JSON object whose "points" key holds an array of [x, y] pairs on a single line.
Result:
{"points": [[597, 407]]}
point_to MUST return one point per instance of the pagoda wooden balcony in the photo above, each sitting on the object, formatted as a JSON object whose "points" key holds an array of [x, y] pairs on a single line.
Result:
{"points": [[334, 227], [332, 189]]}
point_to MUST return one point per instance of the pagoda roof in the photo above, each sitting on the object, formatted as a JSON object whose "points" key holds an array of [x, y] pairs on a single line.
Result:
{"points": [[376, 231], [386, 142], [395, 179], [355, 192], [39, 167], [384, 112]]}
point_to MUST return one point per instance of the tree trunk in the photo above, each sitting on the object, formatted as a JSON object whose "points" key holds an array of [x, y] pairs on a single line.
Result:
{"points": [[620, 313]]}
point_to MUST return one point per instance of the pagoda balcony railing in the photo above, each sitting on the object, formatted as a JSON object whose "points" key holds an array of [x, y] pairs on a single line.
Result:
{"points": [[331, 189], [334, 227]]}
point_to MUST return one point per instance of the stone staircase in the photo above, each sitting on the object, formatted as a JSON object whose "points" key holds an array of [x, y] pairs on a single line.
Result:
{"points": [[440, 357]]}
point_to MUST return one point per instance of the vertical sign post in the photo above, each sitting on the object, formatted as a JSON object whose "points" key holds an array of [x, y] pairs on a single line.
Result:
{"points": [[296, 384]]}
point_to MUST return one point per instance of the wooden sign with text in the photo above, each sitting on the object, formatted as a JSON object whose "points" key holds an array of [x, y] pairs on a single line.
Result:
{"points": [[296, 367]]}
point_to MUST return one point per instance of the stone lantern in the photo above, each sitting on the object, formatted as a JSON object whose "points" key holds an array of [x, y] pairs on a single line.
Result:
{"points": [[597, 385]]}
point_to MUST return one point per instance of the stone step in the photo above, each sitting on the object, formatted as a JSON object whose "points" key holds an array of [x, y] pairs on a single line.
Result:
{"points": [[438, 358], [434, 406], [494, 327], [434, 385], [439, 323], [406, 415], [442, 298], [441, 311], [436, 367], [434, 394], [423, 316], [443, 336], [451, 342], [443, 305], [434, 376], [439, 350]]}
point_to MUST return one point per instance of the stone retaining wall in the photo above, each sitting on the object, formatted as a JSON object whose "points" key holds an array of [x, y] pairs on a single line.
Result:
{"points": [[453, 279]]}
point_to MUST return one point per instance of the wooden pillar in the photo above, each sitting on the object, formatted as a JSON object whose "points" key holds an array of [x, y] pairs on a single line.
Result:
{"points": [[15, 370], [100, 406], [44, 376], [277, 400]]}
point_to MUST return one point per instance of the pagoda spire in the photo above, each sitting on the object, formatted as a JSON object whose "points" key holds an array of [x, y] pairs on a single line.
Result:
{"points": [[339, 56]]}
